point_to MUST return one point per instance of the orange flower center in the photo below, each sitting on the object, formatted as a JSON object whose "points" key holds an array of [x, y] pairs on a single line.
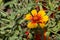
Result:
{"points": [[35, 19]]}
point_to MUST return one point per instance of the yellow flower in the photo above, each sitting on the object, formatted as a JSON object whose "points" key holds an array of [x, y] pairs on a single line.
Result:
{"points": [[36, 18]]}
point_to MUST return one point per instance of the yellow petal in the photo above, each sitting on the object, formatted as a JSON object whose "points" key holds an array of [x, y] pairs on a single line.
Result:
{"points": [[34, 12], [41, 13], [42, 25], [28, 16], [32, 25], [45, 18]]}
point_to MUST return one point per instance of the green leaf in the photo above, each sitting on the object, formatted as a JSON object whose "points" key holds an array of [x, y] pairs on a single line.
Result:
{"points": [[12, 16]]}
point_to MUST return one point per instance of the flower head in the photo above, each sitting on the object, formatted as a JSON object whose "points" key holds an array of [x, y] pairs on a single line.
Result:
{"points": [[36, 18]]}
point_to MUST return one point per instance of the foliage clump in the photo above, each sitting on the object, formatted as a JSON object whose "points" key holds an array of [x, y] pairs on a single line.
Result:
{"points": [[13, 25]]}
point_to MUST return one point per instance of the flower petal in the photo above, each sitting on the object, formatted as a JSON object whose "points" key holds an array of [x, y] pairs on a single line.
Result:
{"points": [[45, 18], [28, 16], [41, 13], [34, 12], [32, 25], [42, 25]]}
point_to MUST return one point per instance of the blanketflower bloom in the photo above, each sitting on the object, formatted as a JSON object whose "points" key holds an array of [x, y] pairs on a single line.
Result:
{"points": [[36, 18]]}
